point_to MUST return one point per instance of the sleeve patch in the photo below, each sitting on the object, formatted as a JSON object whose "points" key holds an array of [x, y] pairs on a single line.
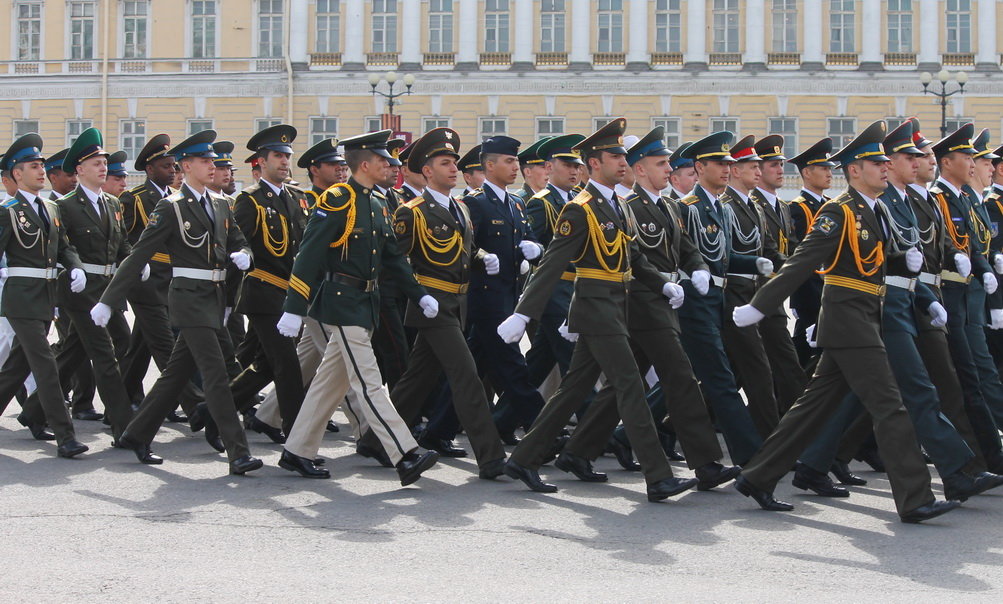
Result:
{"points": [[154, 220], [400, 227], [825, 225], [564, 228]]}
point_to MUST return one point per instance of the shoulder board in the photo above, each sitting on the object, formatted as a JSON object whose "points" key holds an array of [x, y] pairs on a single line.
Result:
{"points": [[377, 194], [294, 188], [251, 188], [799, 200], [541, 195], [414, 203], [935, 189], [175, 196], [398, 191], [631, 198], [336, 191], [582, 198], [474, 192], [840, 199], [137, 189], [13, 201], [689, 200]]}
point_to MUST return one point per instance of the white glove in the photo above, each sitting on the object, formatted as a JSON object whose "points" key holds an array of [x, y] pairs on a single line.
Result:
{"points": [[914, 260], [795, 313], [675, 293], [938, 314], [143, 276], [241, 260], [3, 274], [226, 315], [701, 281], [78, 280], [567, 335], [989, 282], [523, 267], [101, 314], [429, 306], [746, 315], [810, 336], [491, 264], [289, 325], [531, 250], [513, 328], [998, 263], [963, 264], [764, 266], [995, 318]]}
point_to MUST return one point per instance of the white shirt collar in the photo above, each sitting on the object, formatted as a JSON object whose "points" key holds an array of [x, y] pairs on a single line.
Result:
{"points": [[499, 191], [901, 192], [770, 197], [812, 194], [565, 195], [678, 193], [870, 202], [978, 193], [416, 192], [276, 189], [952, 188], [709, 195], [741, 195], [439, 198], [91, 195], [381, 190], [161, 192], [29, 197], [607, 192], [998, 187], [194, 190], [921, 190], [622, 191], [651, 194]]}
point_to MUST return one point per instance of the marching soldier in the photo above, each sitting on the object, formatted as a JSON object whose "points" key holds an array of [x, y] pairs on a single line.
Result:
{"points": [[414, 183], [321, 162], [222, 177], [472, 170], [683, 177], [61, 182], [533, 170], [115, 183]]}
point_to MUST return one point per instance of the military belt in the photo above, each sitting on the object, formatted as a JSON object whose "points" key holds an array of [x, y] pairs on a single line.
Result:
{"points": [[105, 270], [601, 275], [363, 285], [714, 279], [200, 274], [32, 273], [901, 282], [954, 277], [269, 278], [743, 276], [443, 286], [858, 284], [673, 277], [930, 279]]}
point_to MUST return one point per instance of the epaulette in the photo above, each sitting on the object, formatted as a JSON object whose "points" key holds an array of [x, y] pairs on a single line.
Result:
{"points": [[10, 202], [474, 192], [840, 199], [137, 189], [689, 200], [399, 191], [378, 195], [294, 188], [632, 197], [797, 200], [251, 188], [541, 194], [414, 203], [582, 198], [175, 196]]}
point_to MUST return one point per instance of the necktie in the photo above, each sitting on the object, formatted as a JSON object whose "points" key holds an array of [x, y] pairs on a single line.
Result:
{"points": [[208, 210], [752, 206], [717, 205], [660, 204], [882, 220], [616, 207], [455, 211], [40, 209]]}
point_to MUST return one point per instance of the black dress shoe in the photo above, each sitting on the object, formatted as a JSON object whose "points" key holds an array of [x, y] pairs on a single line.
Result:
{"points": [[88, 415], [276, 435], [559, 443], [871, 457], [302, 465], [319, 461], [71, 448], [443, 447], [509, 439], [413, 464], [245, 464], [810, 479], [142, 450], [177, 418], [714, 474], [332, 427], [960, 486], [492, 469], [378, 454], [843, 474], [763, 498], [669, 446], [531, 478], [928, 511], [624, 455], [212, 435], [580, 467], [39, 431], [663, 489], [198, 417]]}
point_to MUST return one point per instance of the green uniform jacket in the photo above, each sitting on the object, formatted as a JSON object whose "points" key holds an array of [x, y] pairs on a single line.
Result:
{"points": [[137, 203], [26, 244], [329, 251], [180, 225], [97, 241], [599, 307]]}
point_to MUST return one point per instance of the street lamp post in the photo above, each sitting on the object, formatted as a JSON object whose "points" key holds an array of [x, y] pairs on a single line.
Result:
{"points": [[944, 76], [389, 119]]}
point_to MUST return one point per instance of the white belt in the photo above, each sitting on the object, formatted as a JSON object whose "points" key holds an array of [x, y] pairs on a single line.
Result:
{"points": [[930, 279], [901, 282], [32, 273], [200, 274], [714, 279], [105, 270], [752, 277], [672, 277]]}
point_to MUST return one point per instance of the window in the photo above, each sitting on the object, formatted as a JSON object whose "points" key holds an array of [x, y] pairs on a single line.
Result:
{"points": [[372, 123], [599, 122], [841, 131], [894, 122], [134, 23], [496, 26], [81, 30], [725, 25], [668, 26], [671, 127], [29, 31], [717, 124], [265, 122], [196, 126], [786, 127], [953, 123], [959, 26], [322, 128], [384, 26], [610, 26], [74, 128], [203, 29], [785, 26], [328, 26], [22, 127], [549, 126], [270, 28], [899, 25], [493, 126], [429, 123], [132, 137], [440, 26], [841, 25], [552, 17]]}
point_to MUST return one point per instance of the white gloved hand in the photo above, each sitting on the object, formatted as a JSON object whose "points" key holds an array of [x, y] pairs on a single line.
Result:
{"points": [[675, 293], [101, 314], [701, 281], [567, 335], [3, 274], [938, 314], [764, 266], [995, 318], [226, 315], [523, 267], [143, 276], [998, 263], [963, 264], [810, 336], [289, 324], [241, 260], [513, 328], [531, 250], [78, 280], [989, 282], [429, 306], [795, 313], [746, 315], [491, 264], [914, 260]]}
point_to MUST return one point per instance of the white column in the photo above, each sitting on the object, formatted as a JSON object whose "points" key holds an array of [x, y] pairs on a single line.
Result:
{"points": [[870, 45], [468, 27], [522, 52], [929, 32], [755, 32], [354, 27], [813, 32], [696, 32], [411, 28], [987, 33], [637, 50], [581, 33], [298, 28]]}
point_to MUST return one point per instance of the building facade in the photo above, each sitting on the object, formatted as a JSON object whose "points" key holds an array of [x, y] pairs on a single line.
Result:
{"points": [[525, 68]]}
